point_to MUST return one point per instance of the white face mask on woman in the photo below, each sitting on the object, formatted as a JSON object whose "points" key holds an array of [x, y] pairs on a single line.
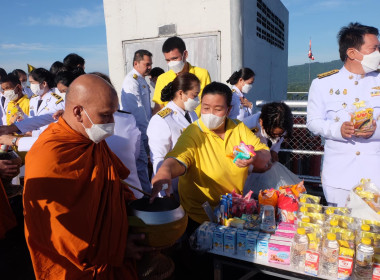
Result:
{"points": [[35, 88], [191, 104], [211, 121], [246, 88], [370, 62], [99, 132]]}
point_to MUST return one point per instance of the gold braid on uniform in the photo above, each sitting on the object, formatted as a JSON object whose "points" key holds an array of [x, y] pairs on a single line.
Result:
{"points": [[165, 112], [326, 74]]}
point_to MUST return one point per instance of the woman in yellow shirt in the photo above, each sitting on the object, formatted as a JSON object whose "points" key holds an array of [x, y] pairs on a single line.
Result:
{"points": [[200, 156]]}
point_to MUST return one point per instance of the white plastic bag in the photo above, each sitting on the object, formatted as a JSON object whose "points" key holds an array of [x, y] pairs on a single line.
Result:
{"points": [[274, 178]]}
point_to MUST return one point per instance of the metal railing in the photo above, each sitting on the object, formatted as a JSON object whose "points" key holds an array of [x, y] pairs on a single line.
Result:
{"points": [[303, 152]]}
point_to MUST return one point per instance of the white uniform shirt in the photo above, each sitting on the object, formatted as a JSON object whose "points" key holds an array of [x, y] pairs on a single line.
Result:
{"points": [[238, 111], [3, 114], [331, 99], [125, 143], [164, 131], [253, 122], [135, 98], [39, 120]]}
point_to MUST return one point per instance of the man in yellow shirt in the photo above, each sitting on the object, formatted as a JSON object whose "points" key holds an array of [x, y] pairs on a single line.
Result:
{"points": [[174, 50], [200, 155], [18, 105]]}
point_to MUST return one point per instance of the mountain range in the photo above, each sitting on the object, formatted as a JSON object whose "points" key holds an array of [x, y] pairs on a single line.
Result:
{"points": [[298, 75]]}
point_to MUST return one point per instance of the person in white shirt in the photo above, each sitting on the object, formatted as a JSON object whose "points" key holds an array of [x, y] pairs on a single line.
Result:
{"points": [[135, 98], [167, 125], [242, 82]]}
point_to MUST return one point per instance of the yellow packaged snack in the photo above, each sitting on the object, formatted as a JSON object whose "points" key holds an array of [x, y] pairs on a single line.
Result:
{"points": [[362, 117], [312, 208], [307, 198]]}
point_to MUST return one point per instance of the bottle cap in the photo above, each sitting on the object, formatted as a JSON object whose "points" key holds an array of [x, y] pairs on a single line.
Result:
{"points": [[301, 230], [306, 219], [365, 227], [331, 236], [329, 211], [334, 222], [366, 241], [303, 209]]}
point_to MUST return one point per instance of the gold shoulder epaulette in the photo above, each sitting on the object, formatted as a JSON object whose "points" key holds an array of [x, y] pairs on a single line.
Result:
{"points": [[60, 99], [326, 74], [233, 90], [135, 76], [165, 112]]}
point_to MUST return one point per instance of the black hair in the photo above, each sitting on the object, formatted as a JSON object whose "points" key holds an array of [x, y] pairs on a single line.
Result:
{"points": [[18, 73], [139, 55], [156, 71], [73, 61], [244, 73], [2, 73], [277, 115], [56, 67], [173, 43], [218, 88], [184, 82], [352, 36], [64, 77], [10, 78], [42, 75]]}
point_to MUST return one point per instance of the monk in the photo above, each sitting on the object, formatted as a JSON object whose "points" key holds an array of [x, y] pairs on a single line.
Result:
{"points": [[76, 223], [7, 218]]}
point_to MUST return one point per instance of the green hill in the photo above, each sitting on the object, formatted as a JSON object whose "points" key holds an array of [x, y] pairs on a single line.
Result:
{"points": [[298, 75]]}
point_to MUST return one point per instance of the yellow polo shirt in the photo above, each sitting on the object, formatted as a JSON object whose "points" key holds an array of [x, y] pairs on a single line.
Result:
{"points": [[15, 110], [209, 172], [201, 73]]}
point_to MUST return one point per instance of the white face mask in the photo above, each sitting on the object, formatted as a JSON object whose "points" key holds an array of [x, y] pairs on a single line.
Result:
{"points": [[10, 94], [176, 66], [370, 61], [265, 135], [211, 121], [24, 84], [191, 104], [99, 132], [246, 88], [35, 88]]}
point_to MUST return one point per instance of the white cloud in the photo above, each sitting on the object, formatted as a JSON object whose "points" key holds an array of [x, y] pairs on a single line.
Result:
{"points": [[24, 47], [79, 18]]}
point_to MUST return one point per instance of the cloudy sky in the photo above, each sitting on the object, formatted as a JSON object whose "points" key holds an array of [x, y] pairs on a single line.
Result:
{"points": [[40, 32]]}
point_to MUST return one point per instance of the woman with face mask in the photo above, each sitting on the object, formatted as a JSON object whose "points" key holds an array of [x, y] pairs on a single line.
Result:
{"points": [[200, 156], [167, 125], [241, 82]]}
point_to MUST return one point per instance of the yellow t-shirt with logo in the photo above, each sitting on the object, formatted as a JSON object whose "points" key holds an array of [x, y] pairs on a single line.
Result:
{"points": [[167, 77], [209, 172], [16, 110]]}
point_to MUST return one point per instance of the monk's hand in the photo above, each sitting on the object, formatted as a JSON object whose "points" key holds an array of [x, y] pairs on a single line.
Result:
{"points": [[57, 114], [134, 250], [9, 169], [368, 133], [347, 129], [161, 181], [244, 162]]}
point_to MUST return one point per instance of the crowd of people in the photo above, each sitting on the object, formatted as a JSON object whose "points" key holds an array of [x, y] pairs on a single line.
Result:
{"points": [[78, 139]]}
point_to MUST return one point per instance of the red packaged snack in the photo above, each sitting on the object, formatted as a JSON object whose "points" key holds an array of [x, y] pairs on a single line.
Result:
{"points": [[287, 206]]}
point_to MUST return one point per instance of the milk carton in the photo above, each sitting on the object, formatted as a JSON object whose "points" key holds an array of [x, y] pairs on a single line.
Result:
{"points": [[230, 241], [262, 247], [241, 239], [250, 245], [218, 239]]}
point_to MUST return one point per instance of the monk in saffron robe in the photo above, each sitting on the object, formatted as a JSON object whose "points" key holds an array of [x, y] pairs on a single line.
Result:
{"points": [[7, 218], [76, 223]]}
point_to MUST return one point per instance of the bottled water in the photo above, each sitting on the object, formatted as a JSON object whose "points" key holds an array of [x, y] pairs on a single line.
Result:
{"points": [[299, 247], [364, 260], [330, 253]]}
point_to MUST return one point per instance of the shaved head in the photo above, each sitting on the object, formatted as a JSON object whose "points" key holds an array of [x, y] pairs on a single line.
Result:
{"points": [[95, 96]]}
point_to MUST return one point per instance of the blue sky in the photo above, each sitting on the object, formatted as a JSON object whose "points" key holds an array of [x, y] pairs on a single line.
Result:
{"points": [[40, 32]]}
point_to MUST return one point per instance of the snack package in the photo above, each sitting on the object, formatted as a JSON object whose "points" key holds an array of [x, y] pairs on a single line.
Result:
{"points": [[268, 197], [287, 206], [311, 208], [297, 189], [362, 117], [374, 226], [242, 205], [242, 151], [330, 210], [307, 198], [315, 218]]}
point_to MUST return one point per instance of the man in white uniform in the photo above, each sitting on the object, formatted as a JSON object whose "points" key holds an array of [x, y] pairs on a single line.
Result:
{"points": [[135, 98], [349, 155]]}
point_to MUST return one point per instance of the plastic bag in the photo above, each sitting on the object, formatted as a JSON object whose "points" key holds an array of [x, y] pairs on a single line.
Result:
{"points": [[275, 177]]}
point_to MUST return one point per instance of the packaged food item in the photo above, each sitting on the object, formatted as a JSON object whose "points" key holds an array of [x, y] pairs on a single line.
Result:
{"points": [[296, 189], [364, 260], [312, 257], [376, 267], [329, 260], [218, 239], [279, 251], [369, 193], [374, 226], [312, 208], [229, 241], [345, 263], [287, 206], [251, 245], [262, 242], [362, 117], [268, 197], [330, 210], [314, 218], [299, 247], [286, 226], [204, 236], [242, 151], [268, 220], [307, 198], [241, 241]]}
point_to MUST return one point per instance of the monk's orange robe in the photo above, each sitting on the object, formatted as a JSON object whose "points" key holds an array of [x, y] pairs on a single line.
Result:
{"points": [[75, 208], [7, 218]]}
